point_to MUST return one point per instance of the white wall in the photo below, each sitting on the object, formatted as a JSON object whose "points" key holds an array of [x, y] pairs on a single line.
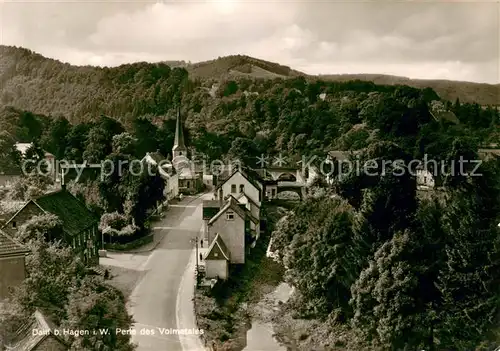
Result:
{"points": [[238, 179], [233, 235], [425, 179], [216, 268]]}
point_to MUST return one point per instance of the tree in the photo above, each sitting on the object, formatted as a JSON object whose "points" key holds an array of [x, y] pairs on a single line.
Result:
{"points": [[51, 271], [10, 157], [395, 297], [321, 255], [469, 280], [55, 136], [124, 143], [95, 306], [47, 226]]}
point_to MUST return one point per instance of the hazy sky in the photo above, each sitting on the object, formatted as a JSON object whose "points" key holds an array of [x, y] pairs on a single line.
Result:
{"points": [[447, 40]]}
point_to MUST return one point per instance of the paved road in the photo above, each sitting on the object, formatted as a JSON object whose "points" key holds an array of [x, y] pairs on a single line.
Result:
{"points": [[154, 302]]}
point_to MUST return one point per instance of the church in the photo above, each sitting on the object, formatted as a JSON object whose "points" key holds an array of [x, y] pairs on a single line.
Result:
{"points": [[190, 177]]}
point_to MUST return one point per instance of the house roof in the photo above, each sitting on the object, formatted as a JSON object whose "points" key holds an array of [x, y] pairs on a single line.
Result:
{"points": [[253, 176], [210, 208], [156, 156], [73, 213], [232, 204], [26, 340], [10, 247], [243, 195], [217, 250], [256, 183]]}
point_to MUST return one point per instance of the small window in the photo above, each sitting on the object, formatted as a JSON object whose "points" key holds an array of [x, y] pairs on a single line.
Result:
{"points": [[233, 188], [230, 215], [14, 224], [216, 254], [242, 188]]}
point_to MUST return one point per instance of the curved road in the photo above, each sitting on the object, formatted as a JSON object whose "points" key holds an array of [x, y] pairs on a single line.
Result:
{"points": [[162, 300]]}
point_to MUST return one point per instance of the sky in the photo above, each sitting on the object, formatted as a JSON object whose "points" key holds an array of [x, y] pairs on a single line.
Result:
{"points": [[430, 40]]}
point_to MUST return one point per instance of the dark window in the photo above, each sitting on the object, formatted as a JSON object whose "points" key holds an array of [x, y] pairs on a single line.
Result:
{"points": [[233, 188], [242, 188], [230, 216], [14, 225]]}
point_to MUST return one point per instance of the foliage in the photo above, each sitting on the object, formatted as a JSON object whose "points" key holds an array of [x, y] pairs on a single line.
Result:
{"points": [[94, 305], [57, 284], [47, 226], [113, 220]]}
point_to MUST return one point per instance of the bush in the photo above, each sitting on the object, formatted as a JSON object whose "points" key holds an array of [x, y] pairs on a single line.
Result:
{"points": [[112, 220], [130, 245]]}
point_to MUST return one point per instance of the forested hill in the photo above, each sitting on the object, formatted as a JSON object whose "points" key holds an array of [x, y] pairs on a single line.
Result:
{"points": [[236, 115], [31, 82]]}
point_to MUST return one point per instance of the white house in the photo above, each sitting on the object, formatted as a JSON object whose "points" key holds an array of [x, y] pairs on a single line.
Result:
{"points": [[426, 180], [217, 259], [249, 204], [231, 223], [239, 182]]}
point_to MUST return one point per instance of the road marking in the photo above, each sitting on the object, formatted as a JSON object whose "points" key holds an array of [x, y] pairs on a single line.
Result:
{"points": [[161, 228]]}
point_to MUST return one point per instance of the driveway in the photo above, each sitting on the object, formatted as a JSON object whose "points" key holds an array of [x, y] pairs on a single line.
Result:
{"points": [[161, 302]]}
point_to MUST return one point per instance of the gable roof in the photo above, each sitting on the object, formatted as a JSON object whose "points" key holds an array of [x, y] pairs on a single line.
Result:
{"points": [[26, 340], [250, 215], [251, 180], [242, 194], [73, 213], [10, 247], [217, 246], [232, 204]]}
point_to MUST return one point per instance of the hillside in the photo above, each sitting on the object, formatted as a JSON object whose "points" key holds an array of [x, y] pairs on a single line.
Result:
{"points": [[29, 81], [483, 94]]}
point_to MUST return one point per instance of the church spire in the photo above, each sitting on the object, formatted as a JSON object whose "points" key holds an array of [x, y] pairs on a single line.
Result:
{"points": [[179, 148]]}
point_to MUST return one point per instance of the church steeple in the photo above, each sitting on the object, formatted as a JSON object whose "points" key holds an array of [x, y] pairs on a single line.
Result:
{"points": [[179, 148]]}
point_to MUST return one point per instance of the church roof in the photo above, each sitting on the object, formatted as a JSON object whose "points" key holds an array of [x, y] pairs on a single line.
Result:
{"points": [[179, 134]]}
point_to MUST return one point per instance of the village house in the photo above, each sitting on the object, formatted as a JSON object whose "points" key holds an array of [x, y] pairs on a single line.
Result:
{"points": [[37, 334], [239, 182], [249, 204], [12, 264], [236, 227], [80, 226], [426, 180], [210, 209], [217, 259]]}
